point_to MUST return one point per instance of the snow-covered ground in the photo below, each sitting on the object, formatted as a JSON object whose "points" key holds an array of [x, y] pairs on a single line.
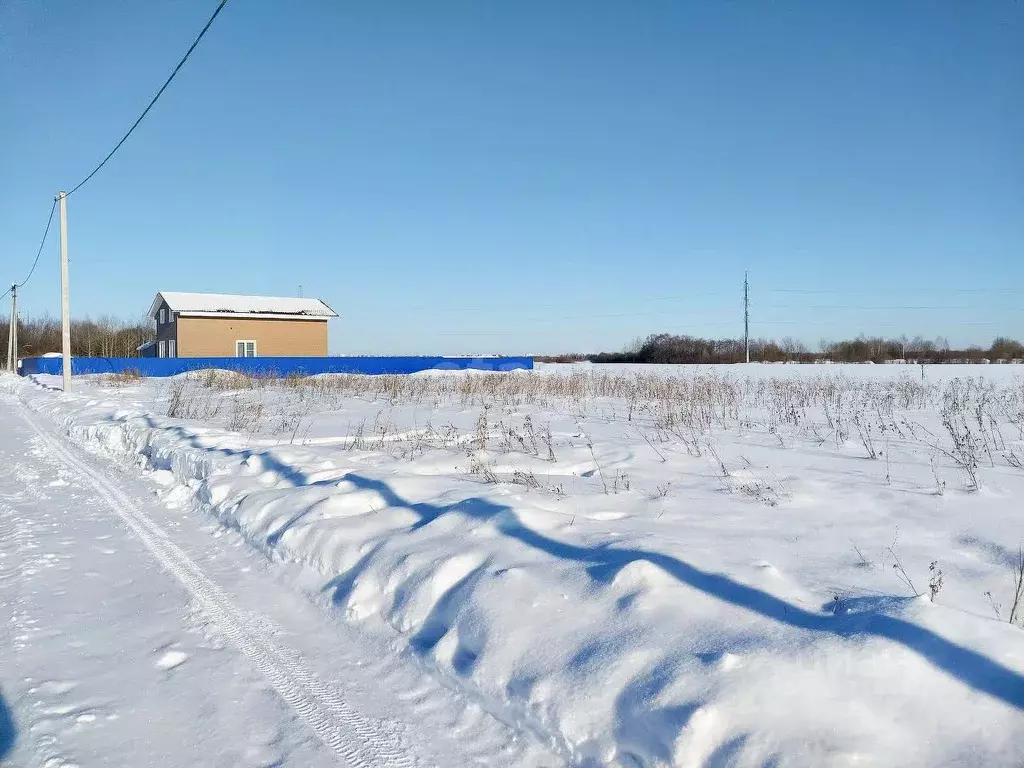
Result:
{"points": [[582, 565]]}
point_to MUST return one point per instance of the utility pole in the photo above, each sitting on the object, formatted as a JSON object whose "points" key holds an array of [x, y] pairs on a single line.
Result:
{"points": [[746, 317], [10, 335], [65, 304], [14, 327]]}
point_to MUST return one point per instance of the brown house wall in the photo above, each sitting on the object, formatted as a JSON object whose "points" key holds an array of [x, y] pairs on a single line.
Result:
{"points": [[216, 337]]}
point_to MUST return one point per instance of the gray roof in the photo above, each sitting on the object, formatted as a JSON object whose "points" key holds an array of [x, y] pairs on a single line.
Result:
{"points": [[213, 304]]}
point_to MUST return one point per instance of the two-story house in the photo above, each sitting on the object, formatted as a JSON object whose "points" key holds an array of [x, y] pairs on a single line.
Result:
{"points": [[220, 325]]}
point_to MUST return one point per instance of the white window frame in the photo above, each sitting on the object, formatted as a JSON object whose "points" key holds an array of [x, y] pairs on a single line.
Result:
{"points": [[172, 348], [245, 348], [161, 348], [163, 315]]}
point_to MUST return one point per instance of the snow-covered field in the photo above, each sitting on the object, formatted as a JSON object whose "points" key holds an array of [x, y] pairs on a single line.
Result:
{"points": [[619, 566]]}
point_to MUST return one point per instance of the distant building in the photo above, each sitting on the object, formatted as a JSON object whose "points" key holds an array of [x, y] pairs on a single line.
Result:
{"points": [[219, 325]]}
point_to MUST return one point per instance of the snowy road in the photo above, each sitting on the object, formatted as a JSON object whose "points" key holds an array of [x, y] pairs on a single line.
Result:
{"points": [[137, 634]]}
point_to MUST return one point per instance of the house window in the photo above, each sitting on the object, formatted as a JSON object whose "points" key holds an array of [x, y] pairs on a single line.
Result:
{"points": [[161, 349], [163, 315], [245, 348], [172, 348]]}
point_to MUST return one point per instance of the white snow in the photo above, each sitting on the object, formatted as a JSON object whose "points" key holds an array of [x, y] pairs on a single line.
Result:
{"points": [[171, 659], [106, 592], [219, 303], [635, 566]]}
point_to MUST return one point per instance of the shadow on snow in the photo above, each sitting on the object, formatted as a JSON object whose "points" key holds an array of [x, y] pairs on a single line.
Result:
{"points": [[603, 562], [8, 733]]}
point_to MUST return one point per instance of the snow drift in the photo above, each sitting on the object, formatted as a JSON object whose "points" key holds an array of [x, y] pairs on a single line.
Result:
{"points": [[641, 582]]}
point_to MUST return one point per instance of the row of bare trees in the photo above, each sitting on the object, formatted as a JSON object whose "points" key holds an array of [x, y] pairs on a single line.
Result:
{"points": [[878, 350], [113, 337], [103, 337], [669, 348]]}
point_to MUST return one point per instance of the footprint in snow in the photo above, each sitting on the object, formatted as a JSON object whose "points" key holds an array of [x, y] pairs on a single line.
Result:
{"points": [[53, 687]]}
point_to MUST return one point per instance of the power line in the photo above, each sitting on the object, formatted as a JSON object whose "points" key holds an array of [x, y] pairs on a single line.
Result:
{"points": [[521, 332], [49, 220], [689, 297], [890, 307], [874, 325], [154, 100], [901, 292], [434, 309]]}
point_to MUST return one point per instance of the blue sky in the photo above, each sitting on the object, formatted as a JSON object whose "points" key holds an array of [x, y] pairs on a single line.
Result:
{"points": [[529, 176]]}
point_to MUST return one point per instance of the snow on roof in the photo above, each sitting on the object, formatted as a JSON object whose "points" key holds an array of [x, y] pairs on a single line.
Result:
{"points": [[219, 303]]}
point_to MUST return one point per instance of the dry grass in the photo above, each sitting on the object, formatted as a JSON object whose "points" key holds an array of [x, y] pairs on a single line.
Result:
{"points": [[687, 409], [123, 379], [980, 426]]}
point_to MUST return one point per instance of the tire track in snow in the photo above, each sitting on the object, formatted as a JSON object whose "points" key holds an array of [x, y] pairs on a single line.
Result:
{"points": [[359, 741]]}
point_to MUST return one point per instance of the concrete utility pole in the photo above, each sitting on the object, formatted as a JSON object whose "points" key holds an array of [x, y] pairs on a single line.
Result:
{"points": [[746, 317], [65, 303], [14, 327], [10, 335]]}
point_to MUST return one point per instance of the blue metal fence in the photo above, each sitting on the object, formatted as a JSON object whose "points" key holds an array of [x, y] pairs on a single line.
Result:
{"points": [[273, 366]]}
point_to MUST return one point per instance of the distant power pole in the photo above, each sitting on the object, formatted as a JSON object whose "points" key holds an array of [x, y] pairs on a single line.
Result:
{"points": [[300, 291], [746, 317], [65, 303]]}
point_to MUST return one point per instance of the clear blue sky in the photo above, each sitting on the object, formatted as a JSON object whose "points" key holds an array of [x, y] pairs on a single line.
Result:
{"points": [[529, 176]]}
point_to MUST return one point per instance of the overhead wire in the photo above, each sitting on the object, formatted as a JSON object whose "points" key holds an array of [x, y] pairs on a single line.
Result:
{"points": [[433, 309], [901, 292], [49, 220], [897, 307], [117, 146], [521, 332], [35, 262], [689, 297], [769, 322], [153, 101]]}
